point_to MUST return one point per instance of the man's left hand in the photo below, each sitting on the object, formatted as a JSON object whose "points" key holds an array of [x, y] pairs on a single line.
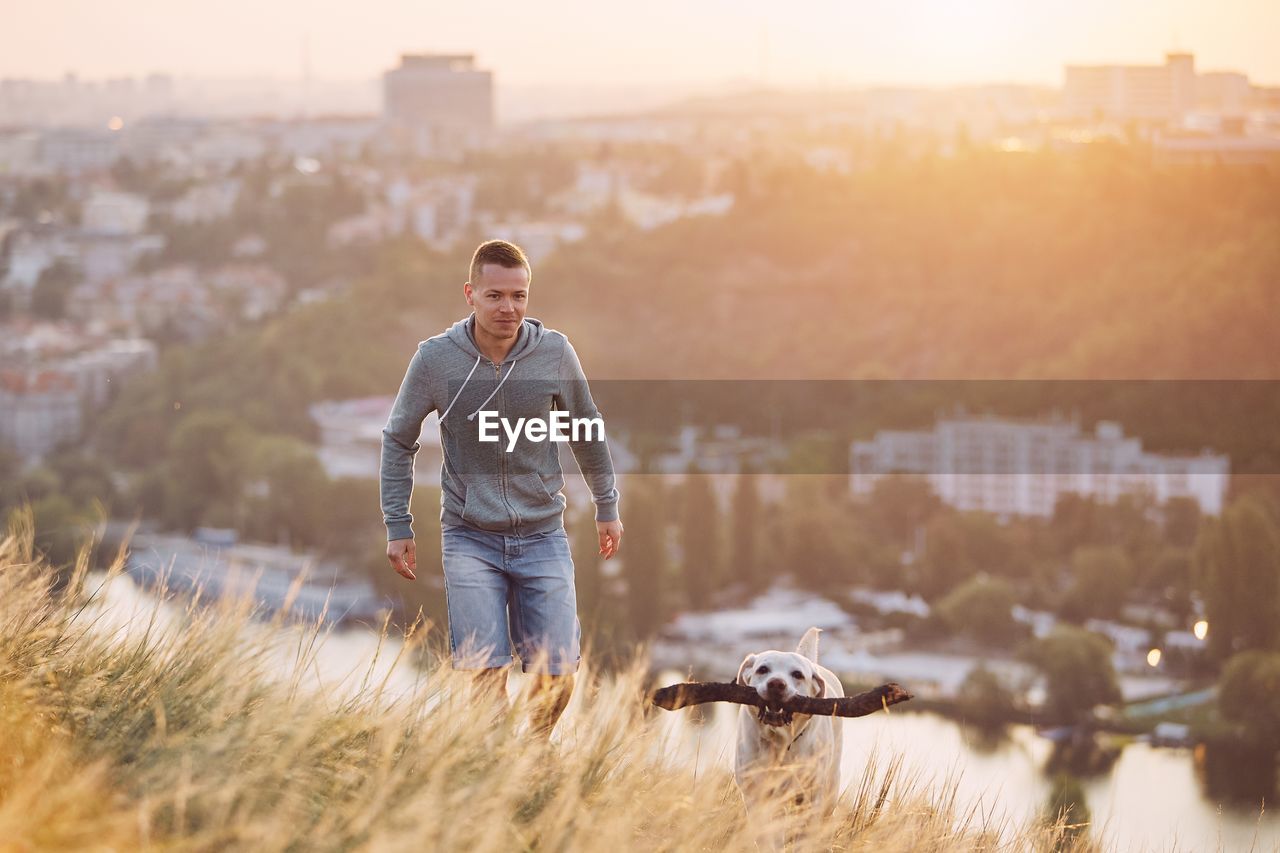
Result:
{"points": [[610, 537]]}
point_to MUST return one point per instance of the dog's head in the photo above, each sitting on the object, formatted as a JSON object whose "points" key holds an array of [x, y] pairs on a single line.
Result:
{"points": [[779, 676]]}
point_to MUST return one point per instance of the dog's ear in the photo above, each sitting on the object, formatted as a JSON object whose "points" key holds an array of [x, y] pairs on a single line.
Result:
{"points": [[809, 644], [747, 663], [821, 688]]}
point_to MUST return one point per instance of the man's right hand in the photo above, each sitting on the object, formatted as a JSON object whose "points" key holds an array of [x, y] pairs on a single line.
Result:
{"points": [[403, 557]]}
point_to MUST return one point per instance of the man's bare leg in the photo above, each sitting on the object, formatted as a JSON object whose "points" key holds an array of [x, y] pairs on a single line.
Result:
{"points": [[491, 684], [549, 696]]}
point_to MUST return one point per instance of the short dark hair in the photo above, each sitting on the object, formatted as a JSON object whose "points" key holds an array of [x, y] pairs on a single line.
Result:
{"points": [[498, 252]]}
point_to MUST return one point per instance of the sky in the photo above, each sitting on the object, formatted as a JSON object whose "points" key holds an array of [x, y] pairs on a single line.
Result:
{"points": [[803, 43]]}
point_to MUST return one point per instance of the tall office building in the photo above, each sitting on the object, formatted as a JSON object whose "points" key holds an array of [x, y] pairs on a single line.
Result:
{"points": [[438, 102], [1143, 92]]}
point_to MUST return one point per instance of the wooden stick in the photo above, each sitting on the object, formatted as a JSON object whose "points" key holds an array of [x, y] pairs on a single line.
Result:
{"points": [[701, 692]]}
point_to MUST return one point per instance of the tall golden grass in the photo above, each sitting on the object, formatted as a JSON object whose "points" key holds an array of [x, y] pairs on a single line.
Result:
{"points": [[187, 733]]}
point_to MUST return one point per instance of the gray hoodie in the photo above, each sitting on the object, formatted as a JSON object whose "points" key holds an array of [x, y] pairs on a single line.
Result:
{"points": [[482, 484]]}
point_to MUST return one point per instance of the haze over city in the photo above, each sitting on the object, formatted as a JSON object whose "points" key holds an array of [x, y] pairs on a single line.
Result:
{"points": [[827, 42]]}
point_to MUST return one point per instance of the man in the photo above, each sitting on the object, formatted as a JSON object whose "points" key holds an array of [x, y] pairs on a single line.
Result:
{"points": [[507, 567]]}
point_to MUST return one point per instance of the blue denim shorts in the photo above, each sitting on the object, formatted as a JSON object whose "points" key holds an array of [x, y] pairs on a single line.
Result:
{"points": [[490, 576]]}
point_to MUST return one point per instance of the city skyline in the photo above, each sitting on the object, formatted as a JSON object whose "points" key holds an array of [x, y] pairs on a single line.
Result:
{"points": [[915, 44]]}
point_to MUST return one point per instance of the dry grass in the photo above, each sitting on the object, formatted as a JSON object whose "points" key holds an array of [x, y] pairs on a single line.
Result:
{"points": [[182, 733]]}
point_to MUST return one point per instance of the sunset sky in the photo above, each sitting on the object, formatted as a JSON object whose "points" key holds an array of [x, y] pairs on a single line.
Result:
{"points": [[837, 42]]}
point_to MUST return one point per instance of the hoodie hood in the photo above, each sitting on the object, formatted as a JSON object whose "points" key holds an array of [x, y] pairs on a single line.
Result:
{"points": [[530, 335], [531, 332]]}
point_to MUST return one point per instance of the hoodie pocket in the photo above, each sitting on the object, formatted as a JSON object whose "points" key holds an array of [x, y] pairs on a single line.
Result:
{"points": [[529, 497], [526, 495], [483, 505]]}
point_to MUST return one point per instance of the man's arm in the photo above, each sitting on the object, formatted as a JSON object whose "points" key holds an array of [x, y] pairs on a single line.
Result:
{"points": [[400, 446], [592, 456]]}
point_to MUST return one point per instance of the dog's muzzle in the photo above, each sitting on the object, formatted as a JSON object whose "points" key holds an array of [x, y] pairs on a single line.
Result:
{"points": [[780, 717]]}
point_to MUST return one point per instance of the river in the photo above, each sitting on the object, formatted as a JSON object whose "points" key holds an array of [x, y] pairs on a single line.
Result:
{"points": [[1150, 798]]}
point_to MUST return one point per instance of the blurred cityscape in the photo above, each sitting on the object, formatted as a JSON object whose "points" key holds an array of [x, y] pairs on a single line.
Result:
{"points": [[209, 293]]}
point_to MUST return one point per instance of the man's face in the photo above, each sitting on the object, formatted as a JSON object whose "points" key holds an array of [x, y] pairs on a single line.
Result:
{"points": [[499, 296]]}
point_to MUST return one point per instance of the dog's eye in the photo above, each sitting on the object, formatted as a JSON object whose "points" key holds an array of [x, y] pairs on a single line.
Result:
{"points": [[762, 669], [795, 673]]}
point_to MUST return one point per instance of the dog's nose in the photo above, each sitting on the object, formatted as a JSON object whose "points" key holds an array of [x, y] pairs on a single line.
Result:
{"points": [[776, 685]]}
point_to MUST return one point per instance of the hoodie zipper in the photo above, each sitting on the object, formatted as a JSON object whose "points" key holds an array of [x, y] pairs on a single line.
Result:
{"points": [[502, 462]]}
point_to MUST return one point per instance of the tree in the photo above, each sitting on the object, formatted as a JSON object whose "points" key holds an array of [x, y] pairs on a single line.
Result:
{"points": [[426, 594], [49, 297], [1249, 695], [59, 527], [644, 562], [699, 539], [288, 489], [981, 607], [84, 476], [349, 512], [1237, 566], [1067, 803], [30, 485], [207, 461], [588, 577], [1170, 577], [1101, 579], [1078, 670], [946, 561], [957, 545], [818, 537], [899, 504], [10, 466], [745, 563], [1080, 521], [1181, 521], [983, 699]]}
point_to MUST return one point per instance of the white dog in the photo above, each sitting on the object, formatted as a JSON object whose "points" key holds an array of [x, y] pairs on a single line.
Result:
{"points": [[799, 759]]}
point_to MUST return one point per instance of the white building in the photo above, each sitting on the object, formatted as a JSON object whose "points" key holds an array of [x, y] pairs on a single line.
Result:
{"points": [[337, 136], [39, 410], [101, 257], [20, 153], [1153, 92], [99, 373], [76, 151], [366, 228], [115, 213], [1165, 92], [438, 103], [248, 291], [223, 148], [30, 254], [351, 439], [1229, 92], [648, 211], [145, 303], [206, 202], [437, 210], [1013, 467], [97, 256], [537, 239]]}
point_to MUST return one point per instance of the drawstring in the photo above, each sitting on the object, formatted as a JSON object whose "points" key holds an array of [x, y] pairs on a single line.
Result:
{"points": [[459, 394], [472, 416]]}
